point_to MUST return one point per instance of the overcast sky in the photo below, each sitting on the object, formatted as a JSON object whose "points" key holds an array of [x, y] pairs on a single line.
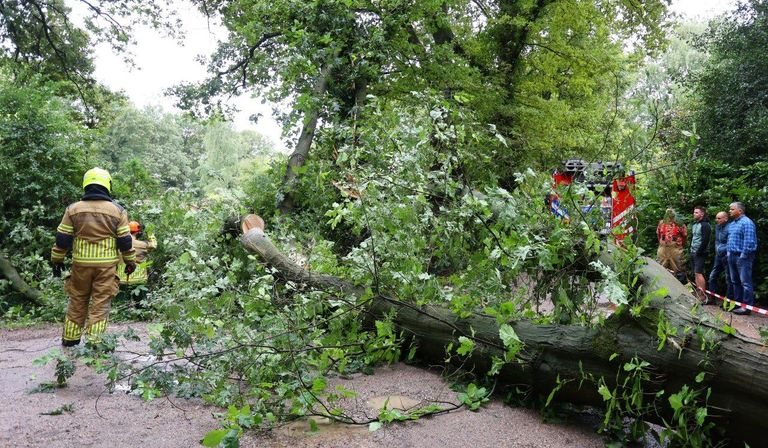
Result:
{"points": [[162, 63], [703, 9]]}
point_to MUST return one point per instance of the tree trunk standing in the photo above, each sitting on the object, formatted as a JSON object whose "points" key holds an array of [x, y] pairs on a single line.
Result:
{"points": [[735, 367], [299, 156], [18, 283]]}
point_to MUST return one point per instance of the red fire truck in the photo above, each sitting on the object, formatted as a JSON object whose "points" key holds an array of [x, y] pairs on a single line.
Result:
{"points": [[613, 195]]}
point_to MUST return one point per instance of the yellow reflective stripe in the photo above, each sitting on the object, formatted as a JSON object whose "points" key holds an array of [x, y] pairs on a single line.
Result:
{"points": [[138, 276], [129, 257], [123, 229], [63, 228], [100, 251], [95, 261], [134, 281], [97, 329], [72, 331], [58, 254]]}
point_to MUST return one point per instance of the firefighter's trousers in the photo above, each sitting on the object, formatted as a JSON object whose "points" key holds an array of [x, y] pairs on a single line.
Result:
{"points": [[90, 290], [670, 255]]}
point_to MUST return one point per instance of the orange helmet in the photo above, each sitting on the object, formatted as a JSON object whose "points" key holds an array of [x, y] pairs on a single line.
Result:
{"points": [[134, 226]]}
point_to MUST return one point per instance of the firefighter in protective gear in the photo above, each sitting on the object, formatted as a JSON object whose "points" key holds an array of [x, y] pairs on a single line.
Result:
{"points": [[95, 229], [139, 276]]}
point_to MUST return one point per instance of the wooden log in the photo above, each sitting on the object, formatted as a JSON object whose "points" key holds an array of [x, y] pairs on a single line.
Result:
{"points": [[735, 366], [18, 283]]}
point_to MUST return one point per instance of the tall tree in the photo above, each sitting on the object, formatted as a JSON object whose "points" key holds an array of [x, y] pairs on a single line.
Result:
{"points": [[168, 145], [40, 40], [42, 157], [541, 72], [226, 156], [733, 87]]}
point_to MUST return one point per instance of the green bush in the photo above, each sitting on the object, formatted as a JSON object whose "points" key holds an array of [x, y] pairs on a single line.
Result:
{"points": [[42, 161]]}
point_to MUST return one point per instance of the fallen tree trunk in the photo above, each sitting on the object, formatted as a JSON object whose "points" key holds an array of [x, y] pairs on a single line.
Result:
{"points": [[734, 365], [18, 283]]}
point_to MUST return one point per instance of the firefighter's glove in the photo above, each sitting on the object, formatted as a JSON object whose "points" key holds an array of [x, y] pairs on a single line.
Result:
{"points": [[130, 267], [56, 268]]}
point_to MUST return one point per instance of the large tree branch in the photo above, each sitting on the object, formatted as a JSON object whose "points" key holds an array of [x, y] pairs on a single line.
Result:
{"points": [[18, 283], [49, 35], [243, 63], [559, 355], [97, 11]]}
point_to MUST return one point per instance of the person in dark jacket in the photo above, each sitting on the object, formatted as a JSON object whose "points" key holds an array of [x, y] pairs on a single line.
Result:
{"points": [[700, 234], [720, 265]]}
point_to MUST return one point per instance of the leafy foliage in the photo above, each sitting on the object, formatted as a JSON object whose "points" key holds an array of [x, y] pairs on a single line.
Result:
{"points": [[167, 146], [38, 138], [541, 73], [732, 86]]}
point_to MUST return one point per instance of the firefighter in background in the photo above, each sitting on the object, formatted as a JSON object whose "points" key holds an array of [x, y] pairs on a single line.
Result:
{"points": [[671, 236], [95, 229], [623, 217], [140, 275]]}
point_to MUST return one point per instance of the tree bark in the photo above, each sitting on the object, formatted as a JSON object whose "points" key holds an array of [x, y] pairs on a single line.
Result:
{"points": [[735, 367], [18, 283], [299, 155]]}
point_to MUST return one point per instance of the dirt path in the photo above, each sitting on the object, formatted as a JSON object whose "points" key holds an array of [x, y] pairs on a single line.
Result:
{"points": [[98, 418]]}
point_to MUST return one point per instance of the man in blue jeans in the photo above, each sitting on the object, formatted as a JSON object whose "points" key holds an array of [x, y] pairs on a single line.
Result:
{"points": [[742, 245], [720, 264]]}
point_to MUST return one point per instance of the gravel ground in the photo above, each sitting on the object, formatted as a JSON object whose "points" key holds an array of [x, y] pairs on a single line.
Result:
{"points": [[494, 425], [98, 418]]}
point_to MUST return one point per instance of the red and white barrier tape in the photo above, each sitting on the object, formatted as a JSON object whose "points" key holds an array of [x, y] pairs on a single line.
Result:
{"points": [[738, 304]]}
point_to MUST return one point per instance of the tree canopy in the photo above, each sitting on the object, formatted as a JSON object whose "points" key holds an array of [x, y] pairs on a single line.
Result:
{"points": [[732, 87]]}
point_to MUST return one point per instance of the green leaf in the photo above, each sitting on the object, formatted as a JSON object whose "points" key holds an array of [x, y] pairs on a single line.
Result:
{"points": [[213, 438], [605, 392], [676, 401], [508, 335], [701, 415], [374, 426], [497, 364], [318, 384], [466, 347]]}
